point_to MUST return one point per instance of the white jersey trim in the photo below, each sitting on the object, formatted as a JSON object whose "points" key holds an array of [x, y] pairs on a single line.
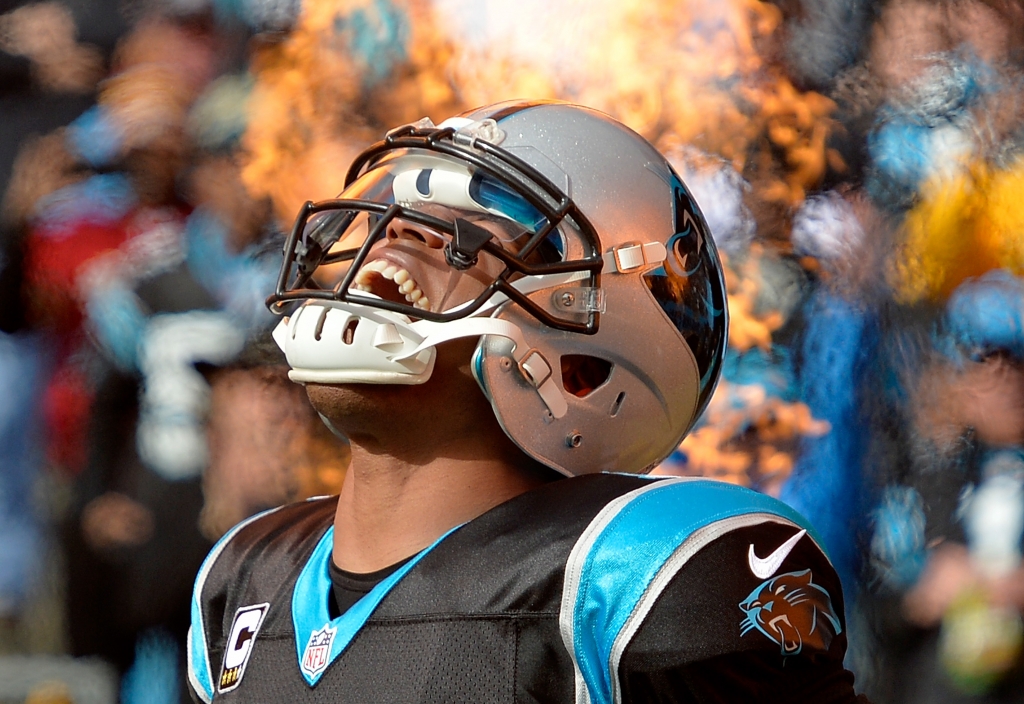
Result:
{"points": [[205, 691]]}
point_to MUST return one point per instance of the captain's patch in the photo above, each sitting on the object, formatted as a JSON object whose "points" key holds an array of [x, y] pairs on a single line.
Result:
{"points": [[241, 638], [793, 612], [318, 651]]}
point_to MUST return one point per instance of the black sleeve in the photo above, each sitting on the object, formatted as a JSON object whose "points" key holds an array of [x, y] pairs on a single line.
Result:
{"points": [[719, 633], [743, 677]]}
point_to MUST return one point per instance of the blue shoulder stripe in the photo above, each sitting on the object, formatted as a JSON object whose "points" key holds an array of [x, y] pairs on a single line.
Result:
{"points": [[310, 614], [628, 555], [199, 672]]}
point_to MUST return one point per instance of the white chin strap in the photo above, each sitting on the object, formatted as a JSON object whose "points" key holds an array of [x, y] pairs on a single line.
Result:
{"points": [[333, 342]]}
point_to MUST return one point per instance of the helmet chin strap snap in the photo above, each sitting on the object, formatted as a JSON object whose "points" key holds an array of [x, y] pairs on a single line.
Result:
{"points": [[534, 367]]}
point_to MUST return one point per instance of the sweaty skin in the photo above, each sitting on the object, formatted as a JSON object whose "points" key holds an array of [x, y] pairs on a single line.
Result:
{"points": [[425, 458]]}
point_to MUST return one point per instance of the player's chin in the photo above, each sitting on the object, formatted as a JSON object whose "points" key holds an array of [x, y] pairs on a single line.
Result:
{"points": [[329, 399], [348, 404]]}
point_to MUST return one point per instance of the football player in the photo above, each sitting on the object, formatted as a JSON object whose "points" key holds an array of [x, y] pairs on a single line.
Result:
{"points": [[512, 316]]}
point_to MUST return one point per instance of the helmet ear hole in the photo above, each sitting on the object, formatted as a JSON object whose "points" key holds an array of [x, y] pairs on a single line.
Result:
{"points": [[582, 374]]}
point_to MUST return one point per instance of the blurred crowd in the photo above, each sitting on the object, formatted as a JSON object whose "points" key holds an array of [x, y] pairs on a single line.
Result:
{"points": [[143, 411], [860, 162]]}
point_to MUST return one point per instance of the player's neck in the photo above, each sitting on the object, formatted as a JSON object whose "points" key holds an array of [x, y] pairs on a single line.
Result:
{"points": [[394, 503]]}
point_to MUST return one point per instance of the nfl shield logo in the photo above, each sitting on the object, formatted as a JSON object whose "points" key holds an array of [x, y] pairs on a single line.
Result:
{"points": [[318, 651]]}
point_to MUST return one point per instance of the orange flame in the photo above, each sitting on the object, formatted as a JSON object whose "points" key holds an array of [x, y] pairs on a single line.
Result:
{"points": [[689, 72], [748, 327]]}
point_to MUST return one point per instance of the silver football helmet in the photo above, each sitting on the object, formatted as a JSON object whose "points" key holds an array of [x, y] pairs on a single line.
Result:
{"points": [[557, 236]]}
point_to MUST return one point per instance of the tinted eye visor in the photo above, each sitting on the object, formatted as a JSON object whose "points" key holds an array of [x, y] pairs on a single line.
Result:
{"points": [[465, 190], [495, 196]]}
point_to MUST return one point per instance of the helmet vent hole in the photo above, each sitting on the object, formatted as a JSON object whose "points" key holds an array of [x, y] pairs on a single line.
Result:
{"points": [[583, 374], [320, 324], [349, 333], [618, 404]]}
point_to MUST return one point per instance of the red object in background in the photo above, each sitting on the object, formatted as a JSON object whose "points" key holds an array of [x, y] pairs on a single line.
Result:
{"points": [[55, 260], [66, 403]]}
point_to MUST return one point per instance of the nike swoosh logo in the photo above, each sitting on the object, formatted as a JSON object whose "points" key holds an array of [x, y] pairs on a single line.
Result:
{"points": [[765, 568]]}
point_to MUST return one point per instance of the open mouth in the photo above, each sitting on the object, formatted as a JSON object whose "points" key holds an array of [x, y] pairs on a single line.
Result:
{"points": [[392, 283]]}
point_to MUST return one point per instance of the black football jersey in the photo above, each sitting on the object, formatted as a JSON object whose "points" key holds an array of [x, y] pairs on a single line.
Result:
{"points": [[601, 588]]}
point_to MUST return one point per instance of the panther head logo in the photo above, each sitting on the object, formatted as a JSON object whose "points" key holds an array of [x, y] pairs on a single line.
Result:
{"points": [[793, 612]]}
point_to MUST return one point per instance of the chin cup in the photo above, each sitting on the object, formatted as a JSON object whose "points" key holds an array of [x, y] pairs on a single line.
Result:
{"points": [[349, 343]]}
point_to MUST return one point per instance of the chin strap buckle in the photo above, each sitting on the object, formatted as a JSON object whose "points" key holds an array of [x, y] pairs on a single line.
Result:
{"points": [[535, 368], [532, 365], [633, 256]]}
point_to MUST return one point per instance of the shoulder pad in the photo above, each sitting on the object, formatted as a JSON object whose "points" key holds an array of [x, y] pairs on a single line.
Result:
{"points": [[632, 550]]}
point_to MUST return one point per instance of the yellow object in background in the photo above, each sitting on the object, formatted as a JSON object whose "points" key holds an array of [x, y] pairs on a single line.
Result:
{"points": [[50, 692], [963, 226], [979, 641]]}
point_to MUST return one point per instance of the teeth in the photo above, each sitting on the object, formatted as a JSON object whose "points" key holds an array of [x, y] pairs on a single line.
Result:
{"points": [[406, 284]]}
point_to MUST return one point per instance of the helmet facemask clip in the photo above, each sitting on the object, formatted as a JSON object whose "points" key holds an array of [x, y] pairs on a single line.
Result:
{"points": [[464, 249]]}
